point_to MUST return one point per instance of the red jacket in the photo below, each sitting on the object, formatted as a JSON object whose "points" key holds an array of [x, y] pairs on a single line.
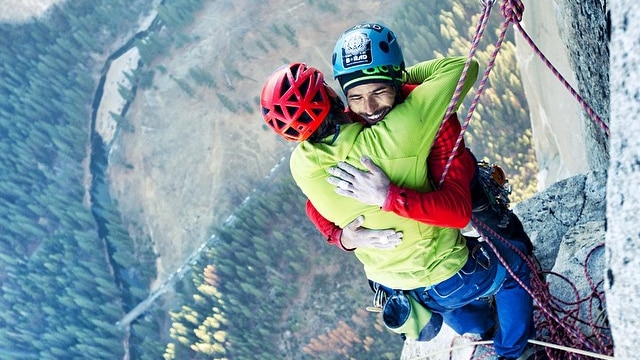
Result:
{"points": [[449, 206]]}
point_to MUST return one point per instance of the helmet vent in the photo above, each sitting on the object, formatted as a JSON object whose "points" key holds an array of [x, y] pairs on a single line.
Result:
{"points": [[279, 124], [317, 97], [305, 118], [277, 109], [317, 112], [290, 110], [292, 132], [294, 68], [384, 46], [285, 86], [304, 87]]}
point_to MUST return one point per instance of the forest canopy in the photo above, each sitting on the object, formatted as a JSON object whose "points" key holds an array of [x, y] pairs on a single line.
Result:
{"points": [[69, 269]]}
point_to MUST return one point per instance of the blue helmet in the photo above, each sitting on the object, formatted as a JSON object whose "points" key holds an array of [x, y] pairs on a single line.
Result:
{"points": [[365, 53]]}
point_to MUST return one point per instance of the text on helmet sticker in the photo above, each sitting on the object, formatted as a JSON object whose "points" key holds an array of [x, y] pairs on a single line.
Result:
{"points": [[370, 26], [356, 50]]}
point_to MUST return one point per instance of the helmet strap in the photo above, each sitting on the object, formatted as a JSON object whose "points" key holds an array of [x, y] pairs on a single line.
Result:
{"points": [[397, 85]]}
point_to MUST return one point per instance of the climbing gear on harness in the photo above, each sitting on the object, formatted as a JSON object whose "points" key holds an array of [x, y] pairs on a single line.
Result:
{"points": [[379, 299], [485, 260], [496, 184], [490, 189], [482, 258], [404, 314]]}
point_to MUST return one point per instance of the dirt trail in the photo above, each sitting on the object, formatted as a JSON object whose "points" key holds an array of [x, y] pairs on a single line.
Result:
{"points": [[23, 10]]}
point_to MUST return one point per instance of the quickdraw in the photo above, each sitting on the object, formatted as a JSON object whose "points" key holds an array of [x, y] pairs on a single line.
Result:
{"points": [[496, 188]]}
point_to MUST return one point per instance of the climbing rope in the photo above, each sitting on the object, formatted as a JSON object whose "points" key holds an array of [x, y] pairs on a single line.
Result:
{"points": [[512, 12], [482, 25], [554, 318], [509, 17], [588, 109]]}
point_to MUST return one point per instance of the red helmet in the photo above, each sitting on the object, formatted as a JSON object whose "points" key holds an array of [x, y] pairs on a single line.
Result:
{"points": [[295, 101]]}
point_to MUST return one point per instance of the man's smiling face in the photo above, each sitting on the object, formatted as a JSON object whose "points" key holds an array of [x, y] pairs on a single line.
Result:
{"points": [[371, 101]]}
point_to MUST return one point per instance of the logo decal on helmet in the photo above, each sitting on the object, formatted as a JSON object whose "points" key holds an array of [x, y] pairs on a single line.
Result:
{"points": [[356, 50]]}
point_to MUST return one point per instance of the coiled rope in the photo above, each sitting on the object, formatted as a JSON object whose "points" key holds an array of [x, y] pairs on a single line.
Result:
{"points": [[557, 320]]}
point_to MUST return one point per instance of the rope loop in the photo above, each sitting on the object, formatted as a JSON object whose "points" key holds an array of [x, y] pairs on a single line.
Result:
{"points": [[512, 10], [487, 3], [558, 319]]}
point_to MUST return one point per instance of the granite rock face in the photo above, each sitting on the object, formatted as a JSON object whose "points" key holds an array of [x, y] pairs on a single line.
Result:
{"points": [[623, 186]]}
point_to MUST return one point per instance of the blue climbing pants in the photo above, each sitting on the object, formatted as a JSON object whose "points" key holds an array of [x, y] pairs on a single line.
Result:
{"points": [[463, 299]]}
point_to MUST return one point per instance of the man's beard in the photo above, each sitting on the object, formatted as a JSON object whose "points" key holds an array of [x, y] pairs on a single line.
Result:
{"points": [[377, 116]]}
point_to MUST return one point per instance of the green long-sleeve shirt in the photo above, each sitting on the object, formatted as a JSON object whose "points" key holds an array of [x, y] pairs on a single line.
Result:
{"points": [[400, 145]]}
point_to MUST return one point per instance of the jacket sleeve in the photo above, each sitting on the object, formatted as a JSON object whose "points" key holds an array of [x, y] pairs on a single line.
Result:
{"points": [[331, 232], [450, 205]]}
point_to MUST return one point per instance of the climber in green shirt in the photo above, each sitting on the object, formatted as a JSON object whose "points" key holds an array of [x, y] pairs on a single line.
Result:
{"points": [[433, 264]]}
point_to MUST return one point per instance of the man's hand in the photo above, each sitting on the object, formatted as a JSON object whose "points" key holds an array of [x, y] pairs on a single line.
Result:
{"points": [[355, 236], [368, 187]]}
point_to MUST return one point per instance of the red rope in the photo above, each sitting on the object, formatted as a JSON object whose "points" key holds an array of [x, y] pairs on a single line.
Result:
{"points": [[564, 82], [556, 320], [509, 15], [482, 25], [512, 12]]}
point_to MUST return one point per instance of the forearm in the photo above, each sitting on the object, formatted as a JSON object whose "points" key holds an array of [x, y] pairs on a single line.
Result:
{"points": [[450, 205], [444, 74], [330, 231]]}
